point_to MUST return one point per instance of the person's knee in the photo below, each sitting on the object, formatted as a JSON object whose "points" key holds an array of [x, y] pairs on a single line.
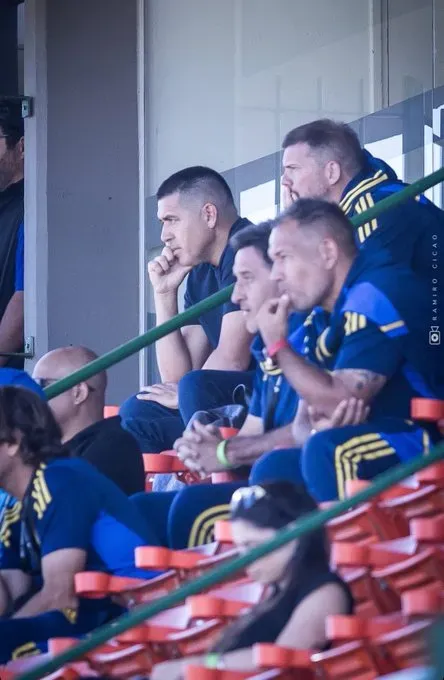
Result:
{"points": [[192, 382], [279, 465], [131, 408], [317, 466]]}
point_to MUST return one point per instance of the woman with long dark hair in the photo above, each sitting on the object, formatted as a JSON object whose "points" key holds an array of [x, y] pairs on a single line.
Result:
{"points": [[301, 589]]}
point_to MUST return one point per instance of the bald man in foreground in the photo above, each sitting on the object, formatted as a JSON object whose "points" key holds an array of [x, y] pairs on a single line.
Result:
{"points": [[79, 413]]}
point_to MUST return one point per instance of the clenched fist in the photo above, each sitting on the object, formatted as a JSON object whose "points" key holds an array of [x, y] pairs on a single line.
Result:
{"points": [[165, 272]]}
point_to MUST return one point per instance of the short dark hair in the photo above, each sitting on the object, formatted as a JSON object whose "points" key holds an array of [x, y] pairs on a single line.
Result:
{"points": [[254, 236], [11, 121], [201, 181], [27, 419], [339, 139], [308, 212]]}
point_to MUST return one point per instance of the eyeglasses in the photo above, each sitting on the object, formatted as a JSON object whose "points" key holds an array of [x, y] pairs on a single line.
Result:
{"points": [[45, 382], [246, 497]]}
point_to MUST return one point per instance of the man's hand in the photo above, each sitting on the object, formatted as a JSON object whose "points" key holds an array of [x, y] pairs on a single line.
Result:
{"points": [[287, 196], [165, 272], [197, 449], [164, 394], [348, 412], [272, 320]]}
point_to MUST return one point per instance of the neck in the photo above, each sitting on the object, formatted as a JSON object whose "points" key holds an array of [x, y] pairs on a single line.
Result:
{"points": [[80, 422], [341, 274], [16, 178], [17, 481], [337, 191], [220, 243]]}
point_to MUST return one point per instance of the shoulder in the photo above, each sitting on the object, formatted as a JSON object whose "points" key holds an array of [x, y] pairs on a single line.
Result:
{"points": [[386, 296]]}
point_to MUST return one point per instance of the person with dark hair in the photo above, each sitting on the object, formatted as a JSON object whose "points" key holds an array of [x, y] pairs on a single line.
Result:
{"points": [[85, 432], [324, 159], [11, 231], [300, 588], [374, 348], [186, 516], [63, 517], [198, 216]]}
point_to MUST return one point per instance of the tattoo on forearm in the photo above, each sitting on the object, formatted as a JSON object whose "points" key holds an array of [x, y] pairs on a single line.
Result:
{"points": [[364, 379], [361, 383]]}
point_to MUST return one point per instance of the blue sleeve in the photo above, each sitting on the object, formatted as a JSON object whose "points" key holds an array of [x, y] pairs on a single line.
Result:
{"points": [[65, 511], [370, 349], [20, 260], [255, 408], [227, 278], [10, 535]]}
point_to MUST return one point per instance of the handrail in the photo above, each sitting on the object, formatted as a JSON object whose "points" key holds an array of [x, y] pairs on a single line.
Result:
{"points": [[311, 522], [136, 344]]}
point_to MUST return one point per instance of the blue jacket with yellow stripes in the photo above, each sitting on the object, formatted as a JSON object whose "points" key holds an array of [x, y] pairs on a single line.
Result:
{"points": [[411, 231]]}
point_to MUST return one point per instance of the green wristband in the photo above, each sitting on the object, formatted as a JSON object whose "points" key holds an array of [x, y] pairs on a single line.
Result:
{"points": [[221, 455], [212, 660]]}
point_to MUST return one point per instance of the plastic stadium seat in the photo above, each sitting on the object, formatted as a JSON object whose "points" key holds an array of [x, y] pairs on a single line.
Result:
{"points": [[340, 628], [110, 411], [187, 563], [269, 656], [406, 647], [423, 602], [95, 585], [431, 410], [354, 486], [418, 571], [367, 523], [226, 602], [427, 501], [222, 532], [352, 661], [434, 474]]}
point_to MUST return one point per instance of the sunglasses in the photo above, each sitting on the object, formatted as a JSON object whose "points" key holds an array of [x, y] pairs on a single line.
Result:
{"points": [[246, 497], [45, 382]]}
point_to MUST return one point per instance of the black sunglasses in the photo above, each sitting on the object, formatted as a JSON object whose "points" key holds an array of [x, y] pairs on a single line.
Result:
{"points": [[45, 382]]}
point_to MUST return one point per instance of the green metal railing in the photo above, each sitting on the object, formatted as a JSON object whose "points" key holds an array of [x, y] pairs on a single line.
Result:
{"points": [[136, 344], [313, 521]]}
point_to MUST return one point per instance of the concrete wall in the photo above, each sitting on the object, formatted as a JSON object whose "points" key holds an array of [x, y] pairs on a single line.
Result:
{"points": [[92, 179]]}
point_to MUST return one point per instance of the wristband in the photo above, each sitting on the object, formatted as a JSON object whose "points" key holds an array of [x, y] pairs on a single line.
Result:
{"points": [[212, 660], [276, 347], [221, 455]]}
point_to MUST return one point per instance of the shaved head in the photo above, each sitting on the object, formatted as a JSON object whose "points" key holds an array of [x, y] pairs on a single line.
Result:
{"points": [[65, 360], [81, 405]]}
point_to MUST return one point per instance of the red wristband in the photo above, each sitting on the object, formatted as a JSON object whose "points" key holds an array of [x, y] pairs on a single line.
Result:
{"points": [[276, 347]]}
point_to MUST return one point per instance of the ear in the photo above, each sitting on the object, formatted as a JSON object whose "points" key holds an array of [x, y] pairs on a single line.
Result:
{"points": [[209, 214], [21, 147], [328, 250], [332, 173], [80, 393]]}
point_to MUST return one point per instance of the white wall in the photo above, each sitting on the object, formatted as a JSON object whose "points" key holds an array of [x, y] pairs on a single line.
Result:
{"points": [[226, 79]]}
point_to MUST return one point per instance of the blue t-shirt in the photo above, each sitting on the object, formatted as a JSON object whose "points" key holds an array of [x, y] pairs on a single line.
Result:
{"points": [[19, 283], [409, 230], [74, 506], [207, 279], [273, 399], [381, 323]]}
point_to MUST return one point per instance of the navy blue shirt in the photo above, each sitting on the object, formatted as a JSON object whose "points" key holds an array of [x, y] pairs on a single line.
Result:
{"points": [[273, 399], [409, 231], [20, 260], [381, 323], [74, 506], [207, 279]]}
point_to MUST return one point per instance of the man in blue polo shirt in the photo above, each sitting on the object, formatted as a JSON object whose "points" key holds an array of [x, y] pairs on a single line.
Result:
{"points": [[198, 216], [62, 517], [375, 347], [186, 517], [324, 159]]}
